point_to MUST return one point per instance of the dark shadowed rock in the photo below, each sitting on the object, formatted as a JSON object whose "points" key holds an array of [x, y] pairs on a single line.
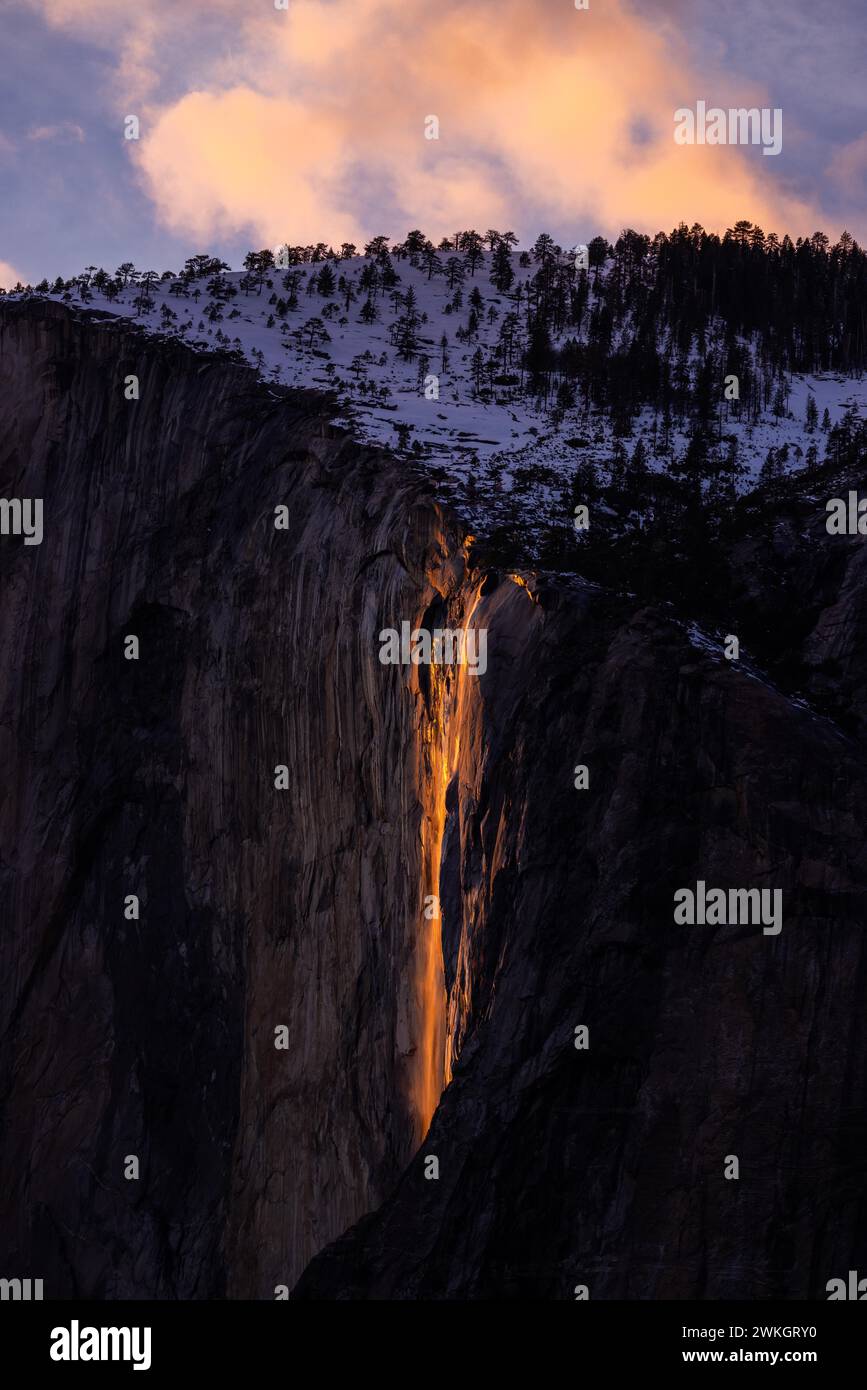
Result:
{"points": [[303, 907]]}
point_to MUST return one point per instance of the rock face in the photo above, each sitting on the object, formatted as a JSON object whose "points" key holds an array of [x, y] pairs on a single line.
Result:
{"points": [[305, 907], [605, 1167], [260, 907]]}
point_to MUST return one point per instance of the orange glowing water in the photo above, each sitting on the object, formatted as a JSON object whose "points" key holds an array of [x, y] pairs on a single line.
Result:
{"points": [[442, 739]]}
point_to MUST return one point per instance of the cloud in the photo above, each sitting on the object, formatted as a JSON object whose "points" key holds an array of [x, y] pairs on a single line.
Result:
{"points": [[848, 168], [308, 124], [150, 40], [9, 276], [66, 130], [538, 114]]}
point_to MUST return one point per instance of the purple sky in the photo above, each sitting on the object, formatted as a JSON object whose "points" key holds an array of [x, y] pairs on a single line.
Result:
{"points": [[259, 125]]}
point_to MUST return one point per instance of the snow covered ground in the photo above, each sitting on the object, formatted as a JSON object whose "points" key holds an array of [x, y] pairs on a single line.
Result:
{"points": [[502, 460]]}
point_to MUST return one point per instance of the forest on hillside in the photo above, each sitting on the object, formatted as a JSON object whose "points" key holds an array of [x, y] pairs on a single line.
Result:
{"points": [[623, 353]]}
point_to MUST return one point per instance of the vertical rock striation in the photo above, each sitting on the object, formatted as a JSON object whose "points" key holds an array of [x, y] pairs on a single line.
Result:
{"points": [[304, 908], [259, 907], [605, 1167]]}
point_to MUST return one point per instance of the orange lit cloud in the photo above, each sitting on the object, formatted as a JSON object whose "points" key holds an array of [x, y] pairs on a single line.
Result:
{"points": [[308, 124], [9, 276]]}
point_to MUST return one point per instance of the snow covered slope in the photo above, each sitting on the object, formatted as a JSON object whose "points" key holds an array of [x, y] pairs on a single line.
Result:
{"points": [[450, 402]]}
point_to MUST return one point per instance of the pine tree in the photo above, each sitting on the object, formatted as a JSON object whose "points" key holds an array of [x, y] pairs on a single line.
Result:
{"points": [[543, 250], [618, 466], [431, 261], [477, 367], [415, 243], [472, 246], [325, 281], [771, 468], [502, 274], [454, 271], [638, 470], [317, 333], [539, 355]]}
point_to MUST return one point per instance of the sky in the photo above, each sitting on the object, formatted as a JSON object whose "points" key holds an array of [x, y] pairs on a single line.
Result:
{"points": [[260, 125]]}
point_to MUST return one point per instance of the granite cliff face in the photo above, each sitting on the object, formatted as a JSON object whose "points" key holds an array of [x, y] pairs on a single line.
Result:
{"points": [[310, 908], [259, 907], [605, 1167]]}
